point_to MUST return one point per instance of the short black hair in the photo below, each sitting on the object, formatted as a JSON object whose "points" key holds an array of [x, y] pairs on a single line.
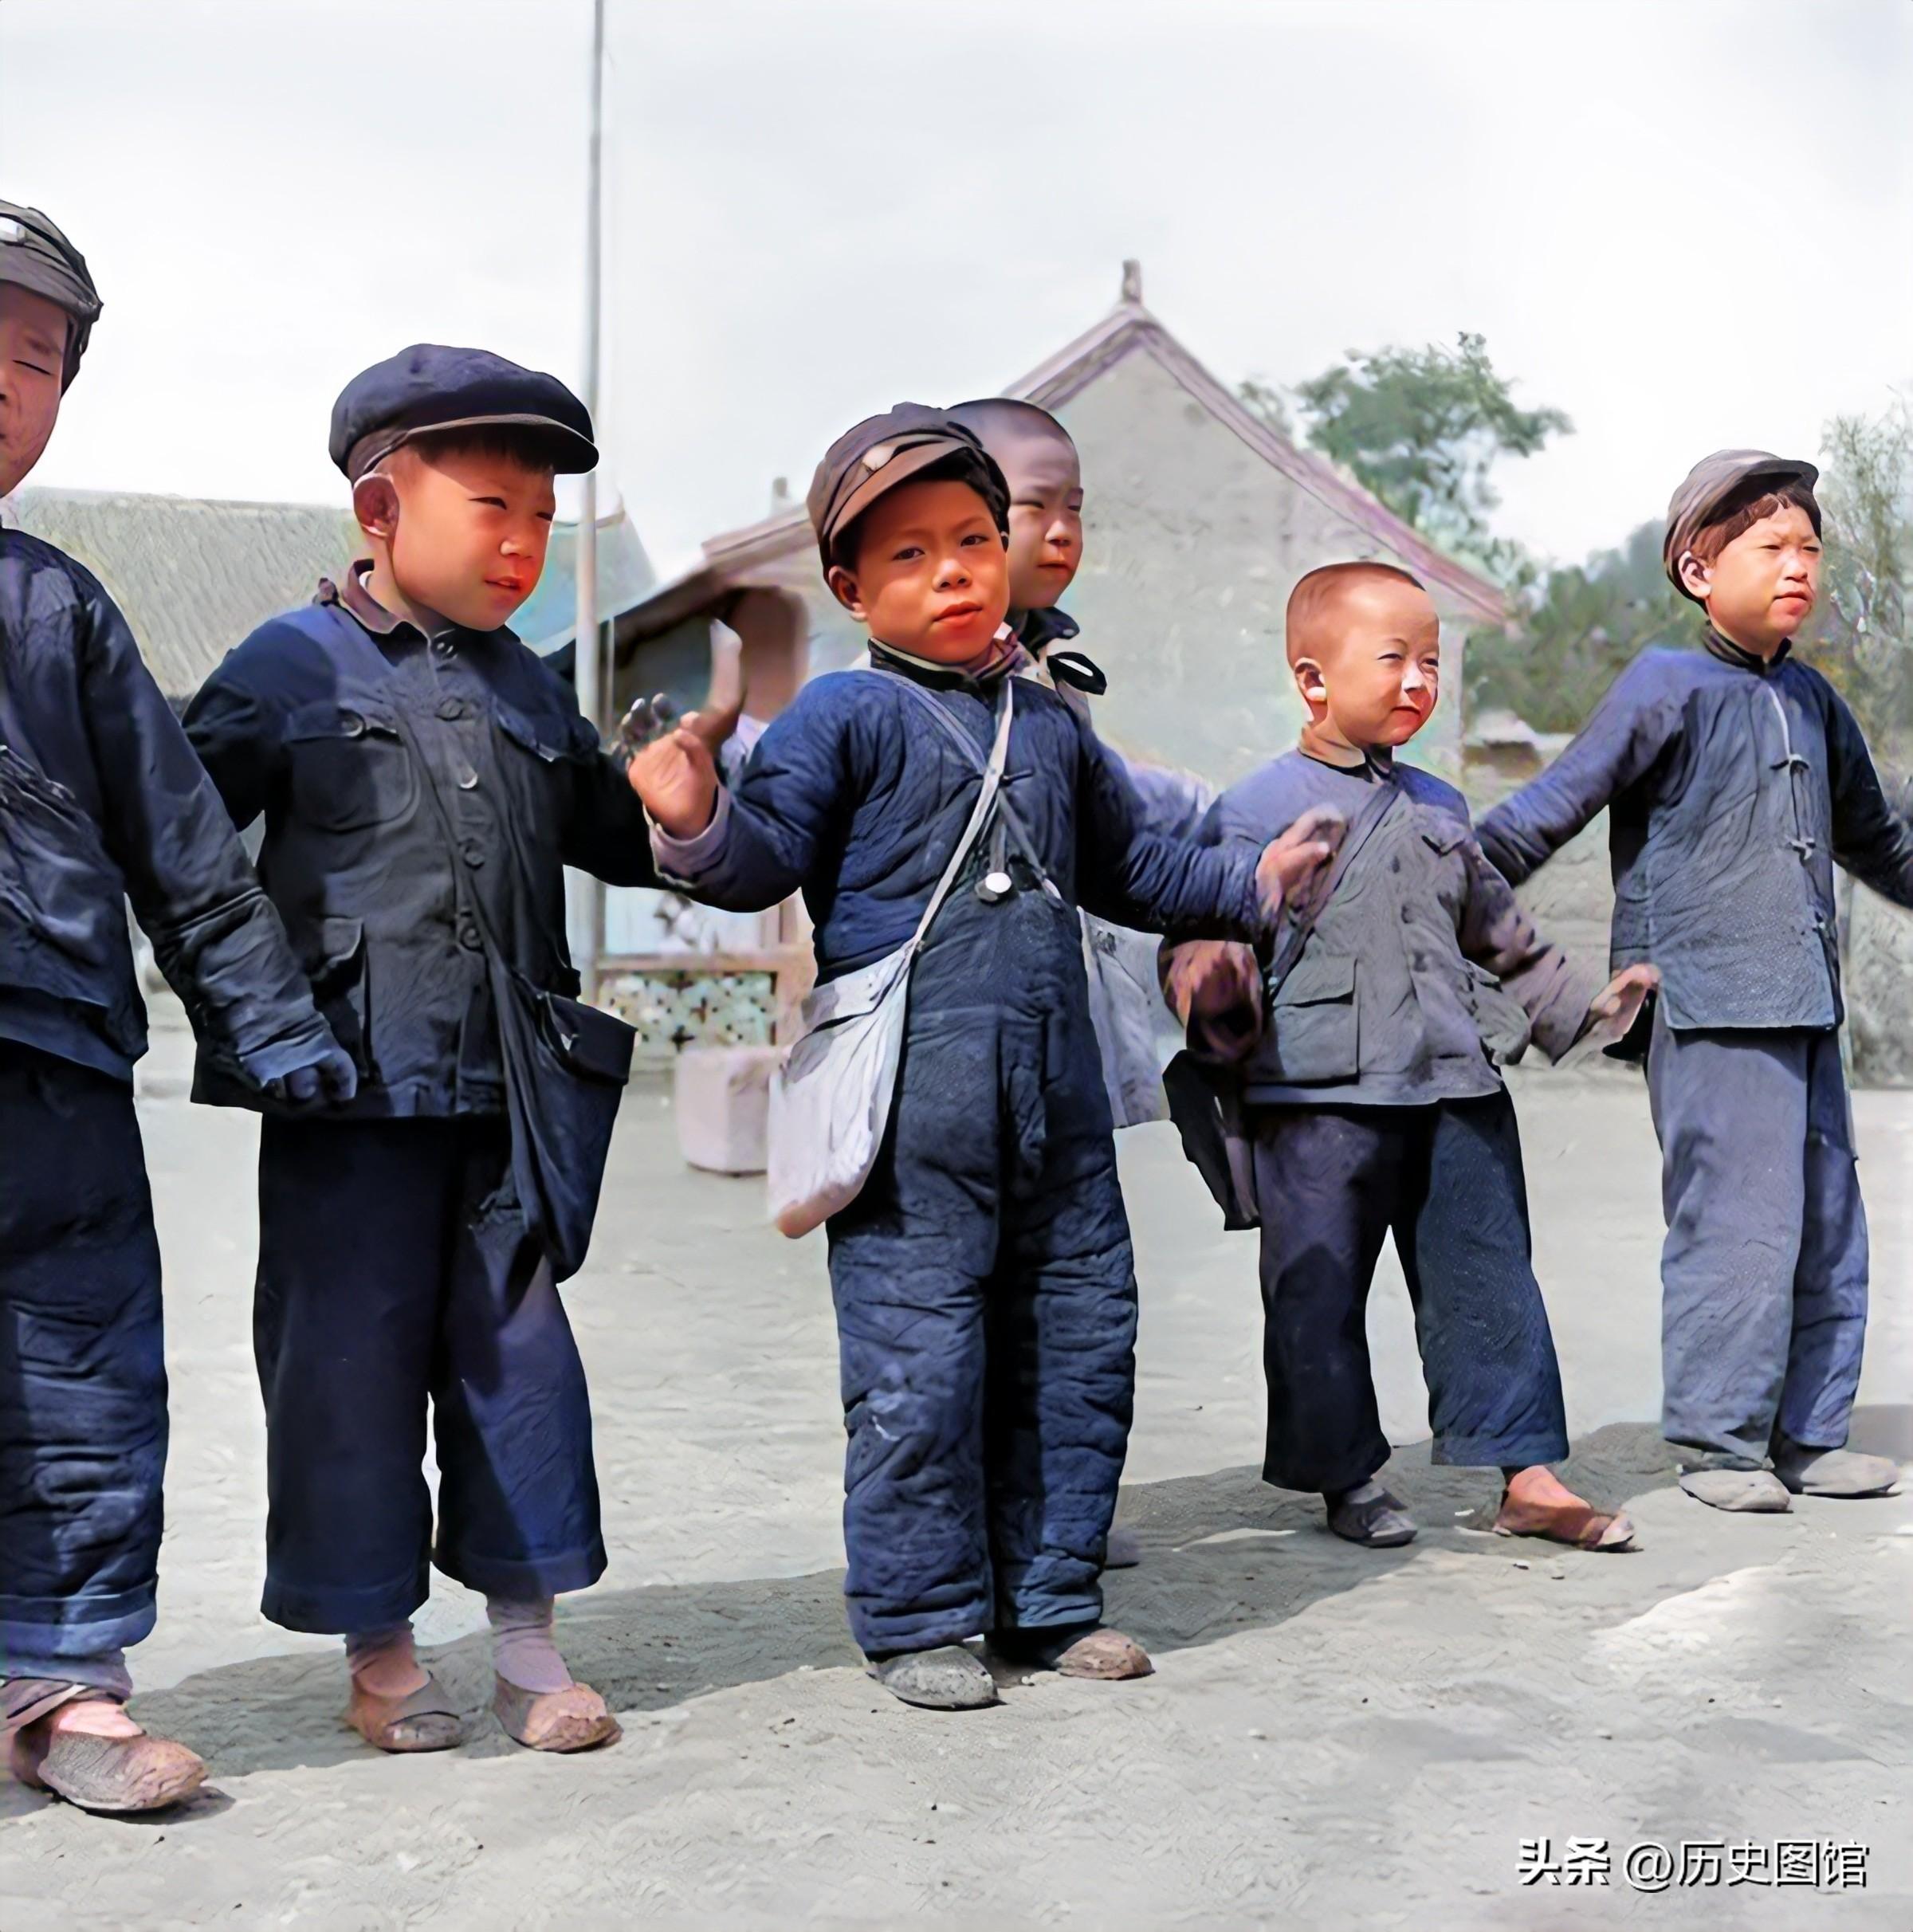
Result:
{"points": [[969, 466], [524, 444]]}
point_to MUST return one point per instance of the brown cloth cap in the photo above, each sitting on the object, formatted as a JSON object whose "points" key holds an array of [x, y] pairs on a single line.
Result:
{"points": [[35, 255], [1709, 485], [883, 451]]}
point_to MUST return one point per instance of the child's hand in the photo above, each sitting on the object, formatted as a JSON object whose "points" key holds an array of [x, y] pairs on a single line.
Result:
{"points": [[330, 1072], [676, 775], [1214, 987], [1617, 1005], [1289, 862]]}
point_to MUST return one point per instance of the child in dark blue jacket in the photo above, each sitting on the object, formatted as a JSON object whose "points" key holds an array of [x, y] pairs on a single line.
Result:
{"points": [[101, 800], [424, 778], [1735, 779], [986, 1301]]}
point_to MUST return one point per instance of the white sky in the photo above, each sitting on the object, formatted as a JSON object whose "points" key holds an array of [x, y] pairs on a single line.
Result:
{"points": [[1686, 222]]}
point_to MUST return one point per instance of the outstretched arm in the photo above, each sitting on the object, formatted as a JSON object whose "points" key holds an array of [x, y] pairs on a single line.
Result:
{"points": [[1873, 839], [1138, 878], [1632, 726], [1497, 933], [750, 850]]}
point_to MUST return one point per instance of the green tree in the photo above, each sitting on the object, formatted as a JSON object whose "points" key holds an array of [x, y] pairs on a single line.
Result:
{"points": [[1574, 629], [1863, 640], [1423, 428]]}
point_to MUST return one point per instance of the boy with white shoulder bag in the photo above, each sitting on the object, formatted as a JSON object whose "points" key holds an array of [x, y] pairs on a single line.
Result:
{"points": [[946, 1111]]}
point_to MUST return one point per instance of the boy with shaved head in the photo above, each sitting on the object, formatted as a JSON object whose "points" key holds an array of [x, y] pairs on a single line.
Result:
{"points": [[1371, 1085], [1038, 460]]}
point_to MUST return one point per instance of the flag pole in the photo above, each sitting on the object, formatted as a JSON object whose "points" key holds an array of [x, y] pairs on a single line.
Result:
{"points": [[586, 651]]}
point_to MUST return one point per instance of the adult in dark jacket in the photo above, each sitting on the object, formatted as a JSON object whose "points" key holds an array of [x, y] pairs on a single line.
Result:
{"points": [[101, 799], [395, 1262], [985, 1296], [1735, 779]]}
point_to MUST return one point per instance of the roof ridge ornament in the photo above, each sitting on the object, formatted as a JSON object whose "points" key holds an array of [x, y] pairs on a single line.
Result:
{"points": [[1132, 282]]}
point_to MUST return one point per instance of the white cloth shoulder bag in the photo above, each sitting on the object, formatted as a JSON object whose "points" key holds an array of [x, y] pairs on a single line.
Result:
{"points": [[830, 1099]]}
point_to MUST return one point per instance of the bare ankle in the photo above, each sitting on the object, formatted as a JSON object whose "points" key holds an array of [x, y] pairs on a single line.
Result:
{"points": [[92, 1717]]}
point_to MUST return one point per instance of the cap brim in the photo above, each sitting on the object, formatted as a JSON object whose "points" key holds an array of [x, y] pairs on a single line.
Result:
{"points": [[1790, 467], [900, 468], [572, 454]]}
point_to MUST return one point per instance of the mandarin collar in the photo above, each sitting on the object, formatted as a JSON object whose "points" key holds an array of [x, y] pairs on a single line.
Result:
{"points": [[1377, 762], [1728, 652]]}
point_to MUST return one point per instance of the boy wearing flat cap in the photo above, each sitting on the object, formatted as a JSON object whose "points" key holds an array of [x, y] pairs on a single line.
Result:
{"points": [[101, 799], [1735, 779], [985, 1298], [424, 778]]}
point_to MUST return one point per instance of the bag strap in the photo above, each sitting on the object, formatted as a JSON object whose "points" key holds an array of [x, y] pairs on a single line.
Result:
{"points": [[958, 737], [1386, 795], [1375, 809], [988, 798]]}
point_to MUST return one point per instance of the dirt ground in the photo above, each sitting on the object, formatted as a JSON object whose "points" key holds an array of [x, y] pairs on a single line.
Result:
{"points": [[1334, 1738]]}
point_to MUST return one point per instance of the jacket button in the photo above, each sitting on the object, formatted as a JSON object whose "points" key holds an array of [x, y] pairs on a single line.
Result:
{"points": [[453, 708], [468, 938], [468, 780], [1407, 913], [352, 724], [442, 647], [472, 853]]}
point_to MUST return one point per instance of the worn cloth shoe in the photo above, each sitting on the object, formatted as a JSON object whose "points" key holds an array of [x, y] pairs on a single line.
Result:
{"points": [[949, 1677], [1751, 1491], [104, 1772], [1074, 1650], [1833, 1472], [1369, 1515]]}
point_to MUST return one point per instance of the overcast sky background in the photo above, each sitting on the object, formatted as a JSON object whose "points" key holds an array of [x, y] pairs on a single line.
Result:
{"points": [[1686, 222]]}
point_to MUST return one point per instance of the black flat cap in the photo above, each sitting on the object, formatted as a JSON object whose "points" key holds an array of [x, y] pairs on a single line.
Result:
{"points": [[428, 387], [35, 255], [883, 451], [1709, 485]]}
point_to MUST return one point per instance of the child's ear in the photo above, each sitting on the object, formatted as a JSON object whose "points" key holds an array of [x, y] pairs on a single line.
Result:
{"points": [[1311, 683], [1696, 576], [375, 505], [843, 588]]}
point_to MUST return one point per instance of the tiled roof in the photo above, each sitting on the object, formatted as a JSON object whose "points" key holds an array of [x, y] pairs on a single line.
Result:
{"points": [[193, 576]]}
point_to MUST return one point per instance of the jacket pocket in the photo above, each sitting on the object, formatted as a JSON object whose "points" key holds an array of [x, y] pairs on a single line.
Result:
{"points": [[1316, 1036], [62, 906], [549, 739], [349, 768]]}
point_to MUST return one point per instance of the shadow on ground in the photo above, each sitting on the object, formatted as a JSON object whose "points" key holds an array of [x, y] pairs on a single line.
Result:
{"points": [[1223, 1554]]}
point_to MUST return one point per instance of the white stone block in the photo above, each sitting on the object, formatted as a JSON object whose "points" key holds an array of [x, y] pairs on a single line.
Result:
{"points": [[722, 1100]]}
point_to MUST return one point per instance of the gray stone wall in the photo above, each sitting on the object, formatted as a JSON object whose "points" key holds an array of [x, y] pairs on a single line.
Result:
{"points": [[1191, 545]]}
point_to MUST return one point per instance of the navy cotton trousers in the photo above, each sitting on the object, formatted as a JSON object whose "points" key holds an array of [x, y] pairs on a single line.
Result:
{"points": [[82, 1365], [1764, 1272], [986, 1299], [1332, 1182], [393, 1271]]}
